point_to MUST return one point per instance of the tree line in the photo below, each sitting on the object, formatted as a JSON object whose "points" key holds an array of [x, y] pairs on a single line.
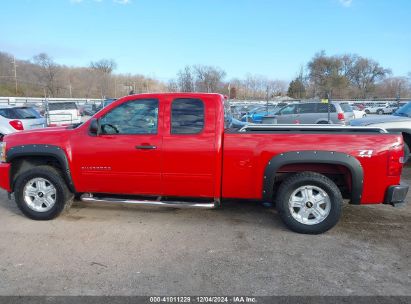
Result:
{"points": [[337, 76], [347, 76]]}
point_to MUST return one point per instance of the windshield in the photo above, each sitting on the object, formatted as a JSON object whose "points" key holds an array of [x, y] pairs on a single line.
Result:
{"points": [[20, 113], [405, 110]]}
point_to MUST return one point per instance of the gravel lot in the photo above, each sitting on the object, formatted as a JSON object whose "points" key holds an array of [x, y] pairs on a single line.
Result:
{"points": [[243, 249]]}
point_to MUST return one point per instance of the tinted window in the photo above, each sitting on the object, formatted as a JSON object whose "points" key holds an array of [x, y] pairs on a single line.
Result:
{"points": [[187, 116], [287, 110], [19, 113], [133, 117], [323, 108], [345, 107], [62, 106], [306, 108]]}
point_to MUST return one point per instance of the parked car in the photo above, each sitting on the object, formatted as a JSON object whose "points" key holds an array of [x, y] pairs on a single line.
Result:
{"points": [[256, 116], [174, 146], [87, 109], [358, 113], [62, 113], [400, 121], [14, 119], [379, 108], [105, 103], [312, 113]]}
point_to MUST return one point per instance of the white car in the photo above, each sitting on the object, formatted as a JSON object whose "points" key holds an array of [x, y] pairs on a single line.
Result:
{"points": [[14, 119], [358, 113], [62, 113], [378, 108]]}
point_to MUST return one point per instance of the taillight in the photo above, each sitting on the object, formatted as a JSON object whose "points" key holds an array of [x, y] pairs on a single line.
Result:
{"points": [[395, 160], [78, 112], [341, 116], [17, 124]]}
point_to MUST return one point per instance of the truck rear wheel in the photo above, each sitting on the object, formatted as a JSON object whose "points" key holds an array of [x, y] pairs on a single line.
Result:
{"points": [[41, 193], [309, 202]]}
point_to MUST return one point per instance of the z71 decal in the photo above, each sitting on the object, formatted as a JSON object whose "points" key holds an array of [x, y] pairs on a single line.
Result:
{"points": [[365, 153]]}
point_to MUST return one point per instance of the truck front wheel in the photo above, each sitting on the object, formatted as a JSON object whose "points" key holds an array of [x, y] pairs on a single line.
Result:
{"points": [[41, 193], [309, 202]]}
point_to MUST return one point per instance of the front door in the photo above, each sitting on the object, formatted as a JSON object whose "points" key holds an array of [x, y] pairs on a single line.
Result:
{"points": [[126, 157], [287, 114]]}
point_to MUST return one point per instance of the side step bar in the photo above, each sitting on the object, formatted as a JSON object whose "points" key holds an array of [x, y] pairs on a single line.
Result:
{"points": [[171, 204]]}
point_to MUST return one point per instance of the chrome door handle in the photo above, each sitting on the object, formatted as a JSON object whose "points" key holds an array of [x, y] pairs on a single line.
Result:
{"points": [[146, 147]]}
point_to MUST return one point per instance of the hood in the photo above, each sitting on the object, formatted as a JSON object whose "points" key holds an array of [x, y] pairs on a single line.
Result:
{"points": [[377, 120], [35, 134]]}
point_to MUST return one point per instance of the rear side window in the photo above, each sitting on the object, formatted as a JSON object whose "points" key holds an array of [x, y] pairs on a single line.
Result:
{"points": [[306, 108], [62, 106], [187, 116], [19, 113], [323, 108], [345, 107]]}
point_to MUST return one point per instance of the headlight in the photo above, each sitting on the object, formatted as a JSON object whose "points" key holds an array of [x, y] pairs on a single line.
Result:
{"points": [[3, 152]]}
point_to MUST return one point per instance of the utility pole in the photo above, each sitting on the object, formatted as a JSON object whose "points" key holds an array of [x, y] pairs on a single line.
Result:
{"points": [[15, 72]]}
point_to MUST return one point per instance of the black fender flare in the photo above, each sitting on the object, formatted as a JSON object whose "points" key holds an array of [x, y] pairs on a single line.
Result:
{"points": [[43, 150], [320, 157]]}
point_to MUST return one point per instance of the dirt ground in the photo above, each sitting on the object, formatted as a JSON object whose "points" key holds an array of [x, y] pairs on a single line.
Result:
{"points": [[241, 249]]}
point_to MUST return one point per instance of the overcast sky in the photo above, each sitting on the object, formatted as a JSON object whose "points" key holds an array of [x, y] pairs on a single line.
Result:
{"points": [[159, 37]]}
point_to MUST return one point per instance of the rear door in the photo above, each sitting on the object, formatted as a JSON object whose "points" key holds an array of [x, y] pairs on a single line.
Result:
{"points": [[189, 147], [306, 113]]}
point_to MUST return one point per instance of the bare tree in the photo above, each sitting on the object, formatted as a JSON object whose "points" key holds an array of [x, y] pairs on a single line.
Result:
{"points": [[48, 73], [103, 69], [394, 87], [172, 86], [344, 75], [208, 78], [366, 73], [185, 79]]}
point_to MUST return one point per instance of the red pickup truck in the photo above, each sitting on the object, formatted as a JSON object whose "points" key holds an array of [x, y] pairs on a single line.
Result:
{"points": [[179, 150]]}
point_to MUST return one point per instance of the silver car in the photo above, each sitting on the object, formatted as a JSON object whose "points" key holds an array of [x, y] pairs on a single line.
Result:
{"points": [[14, 119], [313, 113]]}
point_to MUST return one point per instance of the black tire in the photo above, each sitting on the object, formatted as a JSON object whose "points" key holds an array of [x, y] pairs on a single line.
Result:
{"points": [[64, 197], [292, 183], [322, 123], [367, 111], [380, 112]]}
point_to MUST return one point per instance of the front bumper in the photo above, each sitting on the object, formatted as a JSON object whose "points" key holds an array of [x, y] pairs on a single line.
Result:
{"points": [[5, 176], [396, 194]]}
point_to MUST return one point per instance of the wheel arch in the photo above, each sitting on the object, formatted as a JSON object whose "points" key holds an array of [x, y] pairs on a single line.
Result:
{"points": [[314, 157], [24, 157]]}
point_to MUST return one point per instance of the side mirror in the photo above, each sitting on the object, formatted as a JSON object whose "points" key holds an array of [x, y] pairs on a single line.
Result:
{"points": [[94, 128]]}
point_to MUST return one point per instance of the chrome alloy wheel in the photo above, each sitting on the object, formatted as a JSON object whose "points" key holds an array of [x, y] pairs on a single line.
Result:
{"points": [[309, 205], [39, 194]]}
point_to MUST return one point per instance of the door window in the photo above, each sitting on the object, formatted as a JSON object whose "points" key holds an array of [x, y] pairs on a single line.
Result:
{"points": [[287, 110], [132, 117], [306, 108], [187, 116]]}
